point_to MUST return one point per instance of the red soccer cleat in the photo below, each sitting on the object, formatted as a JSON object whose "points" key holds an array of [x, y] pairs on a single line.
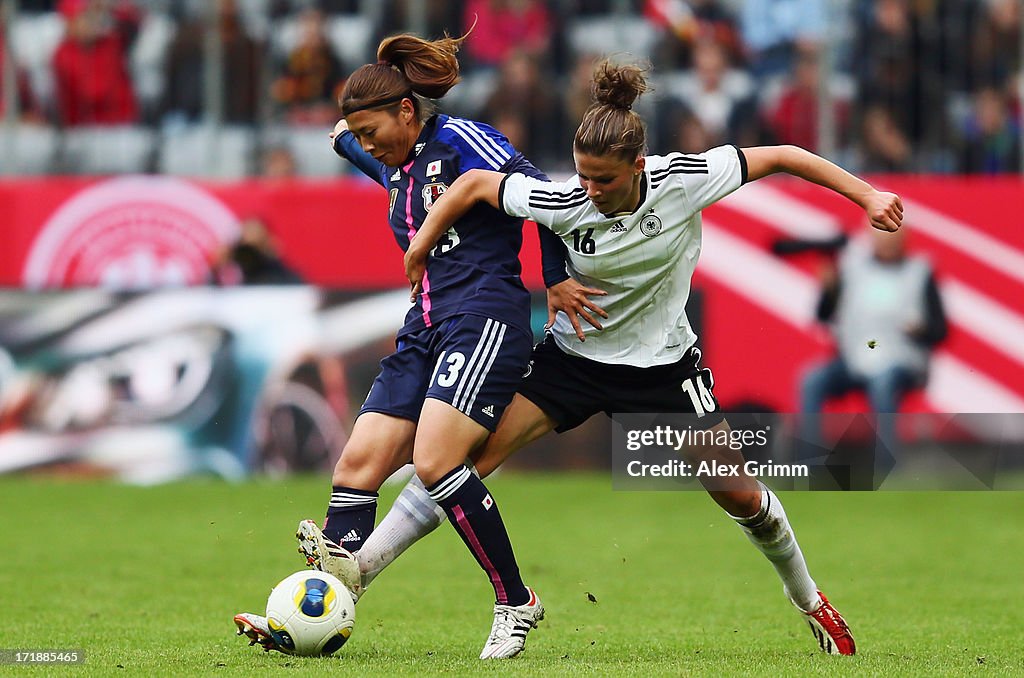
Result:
{"points": [[830, 629]]}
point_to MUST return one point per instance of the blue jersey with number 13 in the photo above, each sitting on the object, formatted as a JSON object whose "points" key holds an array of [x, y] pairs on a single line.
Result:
{"points": [[474, 268]]}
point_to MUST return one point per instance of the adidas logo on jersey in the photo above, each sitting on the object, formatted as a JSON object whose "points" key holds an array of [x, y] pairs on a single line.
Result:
{"points": [[397, 176], [619, 227], [351, 536], [489, 410]]}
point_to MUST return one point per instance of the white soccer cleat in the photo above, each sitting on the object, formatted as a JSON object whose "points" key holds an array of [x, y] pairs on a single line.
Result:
{"points": [[830, 629], [255, 628], [511, 624], [323, 554]]}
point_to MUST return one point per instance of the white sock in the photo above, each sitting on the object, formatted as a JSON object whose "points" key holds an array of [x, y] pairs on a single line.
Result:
{"points": [[413, 516], [770, 532]]}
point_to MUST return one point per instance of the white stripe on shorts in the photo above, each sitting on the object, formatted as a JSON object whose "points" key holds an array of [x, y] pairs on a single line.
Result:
{"points": [[472, 360], [476, 369], [487, 367]]}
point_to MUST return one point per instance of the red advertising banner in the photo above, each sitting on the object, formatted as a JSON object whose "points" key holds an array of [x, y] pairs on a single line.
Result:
{"points": [[152, 231], [758, 324]]}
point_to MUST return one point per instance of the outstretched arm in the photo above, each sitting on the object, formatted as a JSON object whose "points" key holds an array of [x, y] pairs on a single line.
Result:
{"points": [[474, 186], [885, 210]]}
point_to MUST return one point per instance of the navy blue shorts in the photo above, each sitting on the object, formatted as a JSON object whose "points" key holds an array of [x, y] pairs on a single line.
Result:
{"points": [[473, 363], [571, 389]]}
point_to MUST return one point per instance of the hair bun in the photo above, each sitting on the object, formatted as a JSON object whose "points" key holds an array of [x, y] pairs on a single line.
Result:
{"points": [[618, 86]]}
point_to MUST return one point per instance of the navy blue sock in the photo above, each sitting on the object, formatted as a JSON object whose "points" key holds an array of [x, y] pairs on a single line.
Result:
{"points": [[350, 517], [476, 518]]}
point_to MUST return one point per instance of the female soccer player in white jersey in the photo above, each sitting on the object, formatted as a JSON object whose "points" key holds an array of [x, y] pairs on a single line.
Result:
{"points": [[632, 226]]}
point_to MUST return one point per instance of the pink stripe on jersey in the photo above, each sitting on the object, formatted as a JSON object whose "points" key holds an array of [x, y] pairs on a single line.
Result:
{"points": [[426, 299], [478, 550], [425, 294]]}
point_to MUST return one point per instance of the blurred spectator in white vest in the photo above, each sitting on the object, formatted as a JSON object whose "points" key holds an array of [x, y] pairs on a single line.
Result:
{"points": [[887, 317]]}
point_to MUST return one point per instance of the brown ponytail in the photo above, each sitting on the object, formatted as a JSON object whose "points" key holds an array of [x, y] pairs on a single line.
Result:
{"points": [[406, 65], [610, 126]]}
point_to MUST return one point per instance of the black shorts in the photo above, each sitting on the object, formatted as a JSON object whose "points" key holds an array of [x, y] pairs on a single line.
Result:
{"points": [[570, 389]]}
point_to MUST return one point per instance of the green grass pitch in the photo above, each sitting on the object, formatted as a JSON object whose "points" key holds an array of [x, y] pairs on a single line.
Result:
{"points": [[146, 581]]}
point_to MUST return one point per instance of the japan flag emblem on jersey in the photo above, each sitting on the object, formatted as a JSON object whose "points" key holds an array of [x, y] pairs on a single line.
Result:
{"points": [[431, 192], [434, 168]]}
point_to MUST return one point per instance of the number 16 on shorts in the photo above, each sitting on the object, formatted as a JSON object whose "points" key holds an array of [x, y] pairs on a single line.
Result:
{"points": [[698, 387]]}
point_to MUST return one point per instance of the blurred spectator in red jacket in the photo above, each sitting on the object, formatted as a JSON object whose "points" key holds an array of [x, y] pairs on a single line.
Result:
{"points": [[91, 63], [506, 25], [794, 118], [311, 76]]}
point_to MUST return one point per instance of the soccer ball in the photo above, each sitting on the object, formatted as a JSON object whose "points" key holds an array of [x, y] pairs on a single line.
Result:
{"points": [[310, 613]]}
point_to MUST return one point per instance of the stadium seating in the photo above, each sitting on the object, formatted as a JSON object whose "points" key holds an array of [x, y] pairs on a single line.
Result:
{"points": [[122, 149], [196, 151], [27, 150]]}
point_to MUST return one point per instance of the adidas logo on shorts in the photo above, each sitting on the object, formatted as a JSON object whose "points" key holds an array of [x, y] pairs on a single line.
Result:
{"points": [[489, 410]]}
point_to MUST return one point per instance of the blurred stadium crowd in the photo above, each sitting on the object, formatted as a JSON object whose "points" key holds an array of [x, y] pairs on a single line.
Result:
{"points": [[235, 88]]}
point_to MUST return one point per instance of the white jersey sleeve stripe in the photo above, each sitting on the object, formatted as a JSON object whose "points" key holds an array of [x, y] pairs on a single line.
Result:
{"points": [[517, 193]]}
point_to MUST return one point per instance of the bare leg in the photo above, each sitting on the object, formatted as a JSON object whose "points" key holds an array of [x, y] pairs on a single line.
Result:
{"points": [[379, 445]]}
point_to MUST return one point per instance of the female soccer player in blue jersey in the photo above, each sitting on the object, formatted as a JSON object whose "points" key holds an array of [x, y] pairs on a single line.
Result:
{"points": [[465, 343], [632, 226]]}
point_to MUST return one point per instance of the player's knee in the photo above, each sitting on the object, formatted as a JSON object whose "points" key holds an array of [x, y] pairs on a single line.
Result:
{"points": [[431, 469], [359, 467], [743, 503]]}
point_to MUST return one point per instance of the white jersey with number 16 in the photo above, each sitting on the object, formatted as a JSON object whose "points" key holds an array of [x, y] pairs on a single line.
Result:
{"points": [[644, 260]]}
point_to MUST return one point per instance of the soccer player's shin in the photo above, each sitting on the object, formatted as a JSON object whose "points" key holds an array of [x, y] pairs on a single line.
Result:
{"points": [[413, 516], [475, 516], [770, 532]]}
